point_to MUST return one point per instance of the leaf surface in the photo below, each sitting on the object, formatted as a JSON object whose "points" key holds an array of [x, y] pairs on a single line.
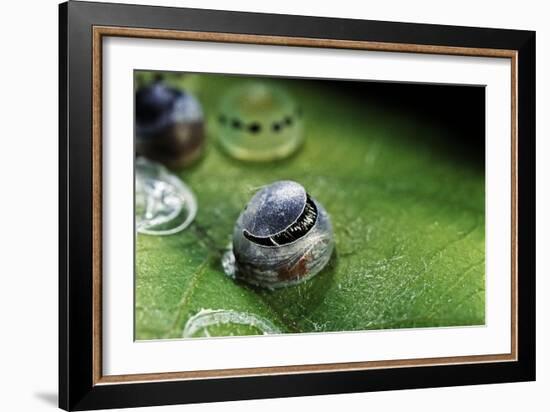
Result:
{"points": [[408, 218]]}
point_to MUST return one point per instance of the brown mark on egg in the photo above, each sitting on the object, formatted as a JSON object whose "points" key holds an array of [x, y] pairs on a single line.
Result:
{"points": [[297, 270]]}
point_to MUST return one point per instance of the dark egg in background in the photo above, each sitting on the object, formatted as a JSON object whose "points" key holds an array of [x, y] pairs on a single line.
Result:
{"points": [[169, 125]]}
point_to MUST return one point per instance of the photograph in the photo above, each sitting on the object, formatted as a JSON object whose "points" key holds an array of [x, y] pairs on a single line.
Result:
{"points": [[269, 205], [263, 205]]}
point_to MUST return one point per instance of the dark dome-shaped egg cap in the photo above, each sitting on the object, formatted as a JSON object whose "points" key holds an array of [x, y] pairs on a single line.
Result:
{"points": [[274, 208], [154, 107]]}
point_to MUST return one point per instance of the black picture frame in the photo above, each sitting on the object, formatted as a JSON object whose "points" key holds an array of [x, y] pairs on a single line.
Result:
{"points": [[77, 388]]}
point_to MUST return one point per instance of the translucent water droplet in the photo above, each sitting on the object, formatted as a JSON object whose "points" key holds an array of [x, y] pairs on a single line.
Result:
{"points": [[164, 205], [210, 322]]}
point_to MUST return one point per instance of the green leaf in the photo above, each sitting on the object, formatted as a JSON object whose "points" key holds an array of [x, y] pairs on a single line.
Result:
{"points": [[408, 220]]}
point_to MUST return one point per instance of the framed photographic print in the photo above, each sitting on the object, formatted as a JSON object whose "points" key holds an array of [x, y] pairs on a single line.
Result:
{"points": [[257, 205]]}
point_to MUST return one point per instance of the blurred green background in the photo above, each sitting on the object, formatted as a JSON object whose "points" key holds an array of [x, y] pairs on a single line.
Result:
{"points": [[400, 170]]}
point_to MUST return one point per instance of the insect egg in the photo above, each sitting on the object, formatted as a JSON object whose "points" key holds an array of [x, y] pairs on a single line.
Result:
{"points": [[164, 205], [283, 237], [211, 322], [259, 122], [169, 125]]}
